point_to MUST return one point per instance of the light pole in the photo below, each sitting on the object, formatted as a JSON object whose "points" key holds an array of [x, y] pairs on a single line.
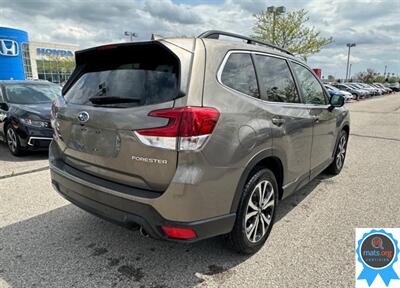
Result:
{"points": [[130, 34], [275, 11], [348, 58], [350, 70]]}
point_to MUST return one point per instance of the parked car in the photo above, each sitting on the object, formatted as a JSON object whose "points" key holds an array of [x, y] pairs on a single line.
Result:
{"points": [[367, 92], [383, 89], [375, 90], [393, 86], [25, 114], [187, 146], [335, 91], [357, 93]]}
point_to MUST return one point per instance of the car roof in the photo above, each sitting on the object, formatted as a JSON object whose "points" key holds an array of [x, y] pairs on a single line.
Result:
{"points": [[188, 43]]}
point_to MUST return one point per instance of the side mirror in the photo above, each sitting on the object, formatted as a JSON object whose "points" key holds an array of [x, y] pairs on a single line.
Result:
{"points": [[336, 101], [4, 106]]}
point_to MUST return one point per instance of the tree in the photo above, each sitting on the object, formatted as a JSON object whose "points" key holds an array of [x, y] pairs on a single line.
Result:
{"points": [[380, 79], [366, 77], [331, 78], [291, 32], [370, 76]]}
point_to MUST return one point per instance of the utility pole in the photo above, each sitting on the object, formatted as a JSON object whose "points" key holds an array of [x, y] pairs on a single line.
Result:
{"points": [[384, 74], [350, 70], [348, 58], [275, 11], [130, 34]]}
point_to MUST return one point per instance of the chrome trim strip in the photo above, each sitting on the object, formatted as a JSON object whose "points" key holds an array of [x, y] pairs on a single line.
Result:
{"points": [[37, 138]]}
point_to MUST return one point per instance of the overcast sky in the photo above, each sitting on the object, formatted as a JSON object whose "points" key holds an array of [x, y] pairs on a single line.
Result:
{"points": [[373, 25]]}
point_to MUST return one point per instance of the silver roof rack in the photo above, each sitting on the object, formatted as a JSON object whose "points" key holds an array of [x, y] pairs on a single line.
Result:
{"points": [[214, 34]]}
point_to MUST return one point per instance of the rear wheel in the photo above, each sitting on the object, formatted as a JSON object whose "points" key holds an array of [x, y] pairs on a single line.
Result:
{"points": [[256, 212], [340, 155], [13, 141]]}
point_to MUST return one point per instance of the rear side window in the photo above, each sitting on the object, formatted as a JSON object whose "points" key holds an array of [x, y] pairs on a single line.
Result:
{"points": [[276, 80], [126, 76], [239, 74], [309, 85]]}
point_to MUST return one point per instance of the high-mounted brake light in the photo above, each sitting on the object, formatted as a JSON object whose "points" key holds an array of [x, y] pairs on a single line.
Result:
{"points": [[106, 47], [188, 128]]}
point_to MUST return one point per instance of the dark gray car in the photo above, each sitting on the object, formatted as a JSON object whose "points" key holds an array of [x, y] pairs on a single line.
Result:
{"points": [[193, 138]]}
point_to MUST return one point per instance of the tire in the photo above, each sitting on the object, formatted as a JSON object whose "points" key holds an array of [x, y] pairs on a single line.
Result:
{"points": [[340, 154], [247, 237], [12, 140]]}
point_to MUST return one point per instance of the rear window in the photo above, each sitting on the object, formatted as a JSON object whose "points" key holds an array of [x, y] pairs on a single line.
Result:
{"points": [[125, 76], [239, 74]]}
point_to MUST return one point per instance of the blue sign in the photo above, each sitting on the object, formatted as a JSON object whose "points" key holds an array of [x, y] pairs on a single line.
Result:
{"points": [[54, 52], [11, 61]]}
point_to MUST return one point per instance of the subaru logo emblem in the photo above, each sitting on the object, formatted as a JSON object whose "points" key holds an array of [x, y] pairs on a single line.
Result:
{"points": [[83, 116], [8, 47]]}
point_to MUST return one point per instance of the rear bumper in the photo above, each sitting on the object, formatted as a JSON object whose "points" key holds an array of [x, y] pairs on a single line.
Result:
{"points": [[127, 212]]}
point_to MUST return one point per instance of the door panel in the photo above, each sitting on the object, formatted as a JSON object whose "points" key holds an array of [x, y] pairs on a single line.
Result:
{"points": [[324, 121], [323, 136], [291, 120], [293, 138]]}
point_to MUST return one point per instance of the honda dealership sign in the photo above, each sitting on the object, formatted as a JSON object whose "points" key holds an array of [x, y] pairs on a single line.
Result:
{"points": [[8, 47], [11, 61], [54, 52]]}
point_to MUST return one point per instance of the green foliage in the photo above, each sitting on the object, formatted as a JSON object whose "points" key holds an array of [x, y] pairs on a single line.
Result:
{"points": [[291, 32], [55, 64], [371, 76], [393, 79], [380, 79]]}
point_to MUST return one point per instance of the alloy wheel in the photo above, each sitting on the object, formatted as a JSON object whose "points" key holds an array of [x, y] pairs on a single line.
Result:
{"points": [[341, 154], [260, 210], [12, 140]]}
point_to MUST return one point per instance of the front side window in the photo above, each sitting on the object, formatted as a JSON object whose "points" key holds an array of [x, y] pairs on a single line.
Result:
{"points": [[31, 93], [239, 74], [310, 86], [276, 79]]}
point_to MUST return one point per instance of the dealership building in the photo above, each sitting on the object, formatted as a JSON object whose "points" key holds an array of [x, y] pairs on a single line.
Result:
{"points": [[22, 59]]}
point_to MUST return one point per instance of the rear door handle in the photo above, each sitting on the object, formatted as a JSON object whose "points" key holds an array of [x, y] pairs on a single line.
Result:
{"points": [[278, 121]]}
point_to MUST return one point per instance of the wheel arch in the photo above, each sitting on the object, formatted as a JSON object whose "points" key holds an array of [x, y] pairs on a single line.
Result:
{"points": [[345, 127], [265, 159]]}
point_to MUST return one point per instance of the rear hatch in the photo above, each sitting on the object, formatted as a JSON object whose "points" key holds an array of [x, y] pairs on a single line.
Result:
{"points": [[109, 95]]}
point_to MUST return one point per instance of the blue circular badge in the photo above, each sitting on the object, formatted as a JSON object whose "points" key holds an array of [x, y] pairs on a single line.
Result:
{"points": [[377, 251]]}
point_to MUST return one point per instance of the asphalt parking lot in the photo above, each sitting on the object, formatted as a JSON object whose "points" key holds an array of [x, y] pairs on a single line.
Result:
{"points": [[47, 242]]}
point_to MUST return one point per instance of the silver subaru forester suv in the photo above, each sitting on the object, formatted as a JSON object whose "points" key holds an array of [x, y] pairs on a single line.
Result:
{"points": [[192, 138]]}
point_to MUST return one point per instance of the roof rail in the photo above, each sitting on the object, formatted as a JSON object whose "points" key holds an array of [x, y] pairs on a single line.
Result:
{"points": [[214, 34]]}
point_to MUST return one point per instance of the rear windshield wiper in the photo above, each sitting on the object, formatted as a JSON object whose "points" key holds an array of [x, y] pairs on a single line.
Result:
{"points": [[112, 100]]}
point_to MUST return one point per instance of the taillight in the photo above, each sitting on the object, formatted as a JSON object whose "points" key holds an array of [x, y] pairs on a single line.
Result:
{"points": [[188, 128], [179, 233]]}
